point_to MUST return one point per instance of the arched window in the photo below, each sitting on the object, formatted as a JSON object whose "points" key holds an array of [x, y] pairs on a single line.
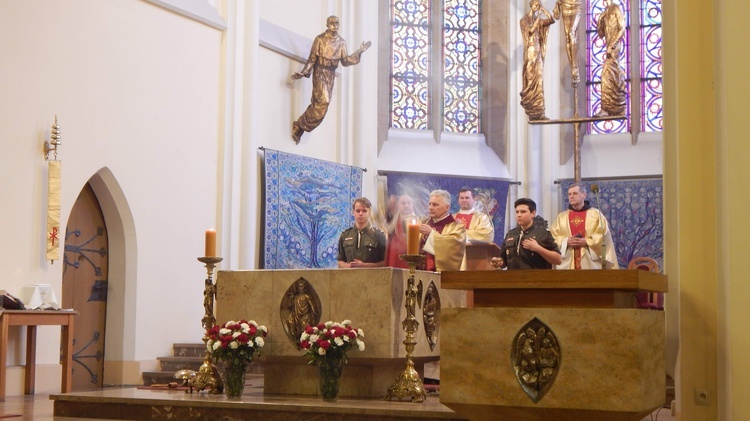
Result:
{"points": [[420, 73], [641, 59]]}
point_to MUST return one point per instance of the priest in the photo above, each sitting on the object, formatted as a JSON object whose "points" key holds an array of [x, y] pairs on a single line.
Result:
{"points": [[478, 224], [443, 238], [582, 234]]}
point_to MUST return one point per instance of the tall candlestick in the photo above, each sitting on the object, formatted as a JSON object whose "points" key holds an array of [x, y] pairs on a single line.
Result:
{"points": [[412, 237], [211, 243]]}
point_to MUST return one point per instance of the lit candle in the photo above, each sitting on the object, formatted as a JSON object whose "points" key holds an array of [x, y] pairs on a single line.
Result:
{"points": [[211, 243], [412, 237]]}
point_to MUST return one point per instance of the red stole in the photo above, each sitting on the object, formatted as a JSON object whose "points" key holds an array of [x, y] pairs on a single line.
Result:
{"points": [[464, 218], [438, 226], [577, 222]]}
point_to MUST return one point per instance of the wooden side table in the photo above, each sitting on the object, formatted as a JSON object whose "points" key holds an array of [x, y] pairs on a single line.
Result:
{"points": [[31, 319]]}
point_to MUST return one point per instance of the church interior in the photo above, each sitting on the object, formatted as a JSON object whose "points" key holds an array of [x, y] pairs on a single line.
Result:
{"points": [[160, 118]]}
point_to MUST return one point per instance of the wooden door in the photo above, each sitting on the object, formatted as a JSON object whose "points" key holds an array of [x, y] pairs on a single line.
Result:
{"points": [[84, 288]]}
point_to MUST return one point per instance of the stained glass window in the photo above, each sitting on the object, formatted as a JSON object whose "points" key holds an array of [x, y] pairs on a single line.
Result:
{"points": [[410, 66], [413, 72], [651, 87], [461, 56], [648, 101]]}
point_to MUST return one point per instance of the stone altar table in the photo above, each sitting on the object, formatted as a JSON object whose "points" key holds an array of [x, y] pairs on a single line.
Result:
{"points": [[610, 361], [373, 299]]}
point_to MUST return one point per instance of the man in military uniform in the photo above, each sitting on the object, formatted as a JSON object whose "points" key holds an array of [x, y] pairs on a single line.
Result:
{"points": [[361, 246], [529, 245]]}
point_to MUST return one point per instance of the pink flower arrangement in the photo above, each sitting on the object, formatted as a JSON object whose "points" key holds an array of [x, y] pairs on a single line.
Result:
{"points": [[236, 341], [331, 339]]}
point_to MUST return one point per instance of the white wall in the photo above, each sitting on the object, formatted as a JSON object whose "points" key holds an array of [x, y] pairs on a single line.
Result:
{"points": [[136, 91]]}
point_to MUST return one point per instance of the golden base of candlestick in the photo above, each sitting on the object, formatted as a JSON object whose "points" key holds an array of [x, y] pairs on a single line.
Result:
{"points": [[408, 382], [208, 376]]}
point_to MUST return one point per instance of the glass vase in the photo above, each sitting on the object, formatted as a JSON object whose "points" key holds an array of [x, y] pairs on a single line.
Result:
{"points": [[234, 378], [330, 377]]}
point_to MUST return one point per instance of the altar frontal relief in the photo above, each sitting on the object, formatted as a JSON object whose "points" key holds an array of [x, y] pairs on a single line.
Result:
{"points": [[306, 205]]}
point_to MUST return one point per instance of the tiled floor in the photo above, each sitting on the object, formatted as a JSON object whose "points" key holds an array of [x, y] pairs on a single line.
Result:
{"points": [[40, 408]]}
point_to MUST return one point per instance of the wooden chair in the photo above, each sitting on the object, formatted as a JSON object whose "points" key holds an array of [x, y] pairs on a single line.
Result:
{"points": [[650, 300]]}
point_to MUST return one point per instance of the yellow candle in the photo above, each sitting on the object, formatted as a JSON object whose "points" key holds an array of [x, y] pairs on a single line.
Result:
{"points": [[412, 237], [211, 243]]}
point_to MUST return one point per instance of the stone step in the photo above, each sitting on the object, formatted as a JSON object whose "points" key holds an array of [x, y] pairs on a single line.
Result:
{"points": [[179, 363], [189, 350], [158, 377]]}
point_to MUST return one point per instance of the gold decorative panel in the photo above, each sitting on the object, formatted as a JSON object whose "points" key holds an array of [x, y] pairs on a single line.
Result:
{"points": [[300, 306], [536, 357]]}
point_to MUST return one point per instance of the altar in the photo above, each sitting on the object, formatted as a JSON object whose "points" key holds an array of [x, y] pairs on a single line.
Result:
{"points": [[567, 345], [373, 299]]}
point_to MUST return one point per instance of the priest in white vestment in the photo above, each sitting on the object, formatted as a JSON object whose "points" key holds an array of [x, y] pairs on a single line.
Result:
{"points": [[479, 228], [582, 234]]}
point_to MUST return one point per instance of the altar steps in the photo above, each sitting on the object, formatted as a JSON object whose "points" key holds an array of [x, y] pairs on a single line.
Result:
{"points": [[185, 357], [139, 404]]}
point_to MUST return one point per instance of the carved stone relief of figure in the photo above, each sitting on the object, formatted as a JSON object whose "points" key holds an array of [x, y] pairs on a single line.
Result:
{"points": [[431, 315], [535, 357], [300, 307]]}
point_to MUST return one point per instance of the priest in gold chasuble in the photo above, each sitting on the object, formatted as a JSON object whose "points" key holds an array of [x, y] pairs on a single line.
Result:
{"points": [[478, 224], [443, 238], [582, 234]]}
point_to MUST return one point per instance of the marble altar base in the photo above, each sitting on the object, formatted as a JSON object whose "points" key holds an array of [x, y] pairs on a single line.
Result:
{"points": [[362, 377]]}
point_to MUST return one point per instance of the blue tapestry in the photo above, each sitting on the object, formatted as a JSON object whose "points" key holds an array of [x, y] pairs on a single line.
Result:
{"points": [[634, 210], [307, 205], [491, 193]]}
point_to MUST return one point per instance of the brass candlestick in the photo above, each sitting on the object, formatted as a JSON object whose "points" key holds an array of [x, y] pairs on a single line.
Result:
{"points": [[408, 383], [208, 376]]}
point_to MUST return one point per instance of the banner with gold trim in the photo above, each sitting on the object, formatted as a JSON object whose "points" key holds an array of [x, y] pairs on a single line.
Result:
{"points": [[53, 234]]}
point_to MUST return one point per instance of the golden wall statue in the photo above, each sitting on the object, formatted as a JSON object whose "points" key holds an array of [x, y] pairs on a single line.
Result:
{"points": [[534, 29], [328, 50], [611, 28]]}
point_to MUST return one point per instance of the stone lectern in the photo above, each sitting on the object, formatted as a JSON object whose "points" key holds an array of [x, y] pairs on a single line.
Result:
{"points": [[373, 299], [548, 344]]}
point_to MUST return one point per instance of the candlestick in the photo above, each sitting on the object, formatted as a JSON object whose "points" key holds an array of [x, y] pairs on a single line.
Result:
{"points": [[208, 376], [412, 237], [408, 382], [210, 243]]}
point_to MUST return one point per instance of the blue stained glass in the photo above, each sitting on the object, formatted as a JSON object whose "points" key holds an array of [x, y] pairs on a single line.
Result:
{"points": [[411, 69], [461, 82], [649, 59]]}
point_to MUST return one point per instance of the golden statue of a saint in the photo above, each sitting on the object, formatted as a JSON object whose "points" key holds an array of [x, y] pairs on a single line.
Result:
{"points": [[534, 29], [611, 28], [327, 52]]}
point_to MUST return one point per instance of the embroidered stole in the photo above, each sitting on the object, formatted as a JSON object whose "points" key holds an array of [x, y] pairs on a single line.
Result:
{"points": [[577, 222], [464, 218]]}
